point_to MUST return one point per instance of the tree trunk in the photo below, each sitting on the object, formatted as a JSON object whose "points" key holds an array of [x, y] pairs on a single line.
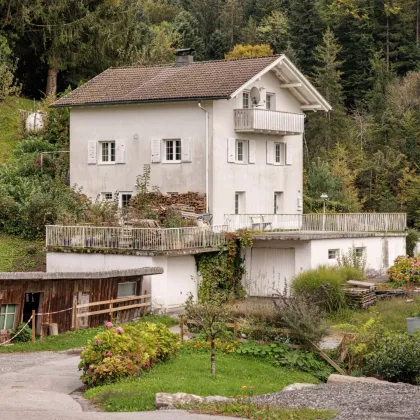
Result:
{"points": [[51, 90], [417, 21], [387, 45], [213, 357]]}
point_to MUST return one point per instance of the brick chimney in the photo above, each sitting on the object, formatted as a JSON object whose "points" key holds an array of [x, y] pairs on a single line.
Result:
{"points": [[184, 56]]}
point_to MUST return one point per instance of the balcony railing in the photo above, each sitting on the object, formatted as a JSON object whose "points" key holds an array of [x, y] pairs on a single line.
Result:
{"points": [[132, 238], [266, 121], [318, 222]]}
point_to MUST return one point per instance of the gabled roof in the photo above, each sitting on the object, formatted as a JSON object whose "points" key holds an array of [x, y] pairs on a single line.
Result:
{"points": [[200, 80]]}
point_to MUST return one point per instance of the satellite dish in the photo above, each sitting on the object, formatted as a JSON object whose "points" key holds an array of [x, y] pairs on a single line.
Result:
{"points": [[255, 96]]}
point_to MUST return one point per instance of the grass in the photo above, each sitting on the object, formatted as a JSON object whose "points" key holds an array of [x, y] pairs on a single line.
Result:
{"points": [[249, 410], [75, 339], [9, 121], [17, 254], [190, 373], [392, 312]]}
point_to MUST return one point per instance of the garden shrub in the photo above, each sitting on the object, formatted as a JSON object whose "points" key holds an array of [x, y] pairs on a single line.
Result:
{"points": [[395, 357], [125, 351], [406, 270], [326, 285], [413, 236], [25, 336]]}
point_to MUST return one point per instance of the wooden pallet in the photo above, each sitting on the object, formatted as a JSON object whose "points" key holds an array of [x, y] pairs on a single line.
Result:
{"points": [[360, 298]]}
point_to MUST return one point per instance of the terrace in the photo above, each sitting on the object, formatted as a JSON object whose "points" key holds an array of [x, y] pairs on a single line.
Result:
{"points": [[193, 238]]}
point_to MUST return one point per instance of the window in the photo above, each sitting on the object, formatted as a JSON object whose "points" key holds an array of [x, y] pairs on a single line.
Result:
{"points": [[125, 199], [280, 153], [107, 196], [360, 252], [270, 101], [239, 151], [333, 254], [239, 202], [246, 100], [278, 203], [107, 151], [7, 316], [126, 289], [173, 150]]}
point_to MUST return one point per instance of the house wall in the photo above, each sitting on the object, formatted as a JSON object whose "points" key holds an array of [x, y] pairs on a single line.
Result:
{"points": [[259, 181], [169, 290], [137, 125]]}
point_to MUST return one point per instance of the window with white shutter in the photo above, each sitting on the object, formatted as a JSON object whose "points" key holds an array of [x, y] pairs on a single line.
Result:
{"points": [[156, 150], [120, 151], [288, 154], [92, 146], [270, 153], [107, 152], [252, 151], [231, 150], [279, 153], [186, 149]]}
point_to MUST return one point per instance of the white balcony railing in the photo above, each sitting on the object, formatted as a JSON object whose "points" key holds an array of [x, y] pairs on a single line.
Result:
{"points": [[264, 120], [317, 222], [132, 238]]}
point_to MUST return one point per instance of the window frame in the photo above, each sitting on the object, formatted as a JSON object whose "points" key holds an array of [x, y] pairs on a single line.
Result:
{"points": [[245, 151], [105, 198], [282, 158], [246, 99], [111, 152], [360, 250], [125, 283], [270, 103], [277, 196], [239, 206], [336, 254], [121, 194], [6, 313], [176, 144]]}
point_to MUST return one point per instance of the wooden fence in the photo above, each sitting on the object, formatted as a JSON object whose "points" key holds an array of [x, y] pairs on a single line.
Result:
{"points": [[145, 302]]}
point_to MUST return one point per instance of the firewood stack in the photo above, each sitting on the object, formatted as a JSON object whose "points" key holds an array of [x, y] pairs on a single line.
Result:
{"points": [[360, 295]]}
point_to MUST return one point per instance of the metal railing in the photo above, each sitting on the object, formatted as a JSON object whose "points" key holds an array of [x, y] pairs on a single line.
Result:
{"points": [[265, 120], [318, 222], [132, 238]]}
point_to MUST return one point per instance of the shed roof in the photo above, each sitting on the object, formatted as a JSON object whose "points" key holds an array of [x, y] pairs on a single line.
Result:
{"points": [[199, 80]]}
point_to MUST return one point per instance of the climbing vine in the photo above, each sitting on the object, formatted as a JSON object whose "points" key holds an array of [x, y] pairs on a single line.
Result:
{"points": [[222, 272]]}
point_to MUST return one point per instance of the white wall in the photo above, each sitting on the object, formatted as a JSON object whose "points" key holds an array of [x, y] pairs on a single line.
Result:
{"points": [[169, 290], [258, 180]]}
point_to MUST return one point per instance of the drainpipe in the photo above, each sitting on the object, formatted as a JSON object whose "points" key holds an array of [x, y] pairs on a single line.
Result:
{"points": [[207, 157]]}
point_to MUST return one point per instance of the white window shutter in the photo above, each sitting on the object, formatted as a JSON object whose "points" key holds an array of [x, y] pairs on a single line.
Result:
{"points": [[92, 150], [186, 149], [270, 152], [288, 154], [252, 151], [231, 146], [120, 151], [156, 150]]}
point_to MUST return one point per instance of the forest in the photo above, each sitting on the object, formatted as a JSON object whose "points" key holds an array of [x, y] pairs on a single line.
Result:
{"points": [[363, 55]]}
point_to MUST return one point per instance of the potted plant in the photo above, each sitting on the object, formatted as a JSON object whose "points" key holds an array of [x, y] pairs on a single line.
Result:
{"points": [[413, 323]]}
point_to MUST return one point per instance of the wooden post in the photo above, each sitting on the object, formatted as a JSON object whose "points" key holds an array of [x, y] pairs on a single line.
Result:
{"points": [[181, 327], [110, 310], [75, 319], [235, 329], [145, 308], [33, 326]]}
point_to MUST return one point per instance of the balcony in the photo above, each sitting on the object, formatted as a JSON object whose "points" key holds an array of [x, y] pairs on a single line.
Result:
{"points": [[269, 122]]}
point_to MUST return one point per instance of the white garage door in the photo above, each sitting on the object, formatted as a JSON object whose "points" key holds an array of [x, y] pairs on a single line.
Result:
{"points": [[271, 268]]}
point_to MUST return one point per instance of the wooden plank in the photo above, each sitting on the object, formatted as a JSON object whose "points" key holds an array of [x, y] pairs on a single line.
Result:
{"points": [[107, 302], [361, 284], [121, 308]]}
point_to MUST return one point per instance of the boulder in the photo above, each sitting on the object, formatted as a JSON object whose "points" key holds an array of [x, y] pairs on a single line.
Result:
{"points": [[217, 399], [344, 379], [164, 400], [297, 387]]}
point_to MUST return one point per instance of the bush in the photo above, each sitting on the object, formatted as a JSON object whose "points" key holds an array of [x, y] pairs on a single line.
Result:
{"points": [[395, 357], [125, 351], [405, 270], [25, 336], [413, 236], [326, 284]]}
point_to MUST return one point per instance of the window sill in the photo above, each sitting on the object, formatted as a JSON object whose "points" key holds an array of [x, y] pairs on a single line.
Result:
{"points": [[172, 161], [107, 163]]}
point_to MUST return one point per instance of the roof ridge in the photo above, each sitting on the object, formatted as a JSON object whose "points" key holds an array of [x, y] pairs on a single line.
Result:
{"points": [[168, 65]]}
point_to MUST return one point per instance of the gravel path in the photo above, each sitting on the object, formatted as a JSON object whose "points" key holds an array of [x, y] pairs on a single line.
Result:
{"points": [[14, 362], [356, 401]]}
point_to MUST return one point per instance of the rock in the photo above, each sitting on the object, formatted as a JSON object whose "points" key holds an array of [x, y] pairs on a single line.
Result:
{"points": [[297, 387], [343, 379], [162, 399], [216, 399]]}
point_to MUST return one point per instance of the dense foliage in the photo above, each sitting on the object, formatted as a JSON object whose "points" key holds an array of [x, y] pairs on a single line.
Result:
{"points": [[124, 351], [405, 271]]}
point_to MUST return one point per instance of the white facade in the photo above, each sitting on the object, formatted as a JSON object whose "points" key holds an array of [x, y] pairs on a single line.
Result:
{"points": [[140, 133]]}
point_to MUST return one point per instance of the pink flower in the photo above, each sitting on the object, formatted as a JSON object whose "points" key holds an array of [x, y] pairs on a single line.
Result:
{"points": [[91, 367], [97, 342], [119, 330], [109, 324]]}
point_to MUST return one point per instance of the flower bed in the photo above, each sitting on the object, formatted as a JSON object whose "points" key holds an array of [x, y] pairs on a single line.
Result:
{"points": [[405, 271]]}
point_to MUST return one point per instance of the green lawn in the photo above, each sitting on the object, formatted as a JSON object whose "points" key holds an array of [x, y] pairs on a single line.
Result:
{"points": [[247, 410], [16, 254], [75, 339], [393, 313], [190, 372], [9, 123]]}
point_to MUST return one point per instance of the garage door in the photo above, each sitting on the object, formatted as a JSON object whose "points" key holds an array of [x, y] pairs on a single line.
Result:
{"points": [[271, 268]]}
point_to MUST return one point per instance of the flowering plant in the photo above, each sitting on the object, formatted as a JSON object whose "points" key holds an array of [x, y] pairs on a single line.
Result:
{"points": [[406, 270]]}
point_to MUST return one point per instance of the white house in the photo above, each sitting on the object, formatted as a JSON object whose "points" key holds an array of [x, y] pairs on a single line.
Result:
{"points": [[230, 129]]}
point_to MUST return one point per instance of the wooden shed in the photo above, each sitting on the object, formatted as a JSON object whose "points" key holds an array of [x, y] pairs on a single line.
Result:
{"points": [[55, 295]]}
